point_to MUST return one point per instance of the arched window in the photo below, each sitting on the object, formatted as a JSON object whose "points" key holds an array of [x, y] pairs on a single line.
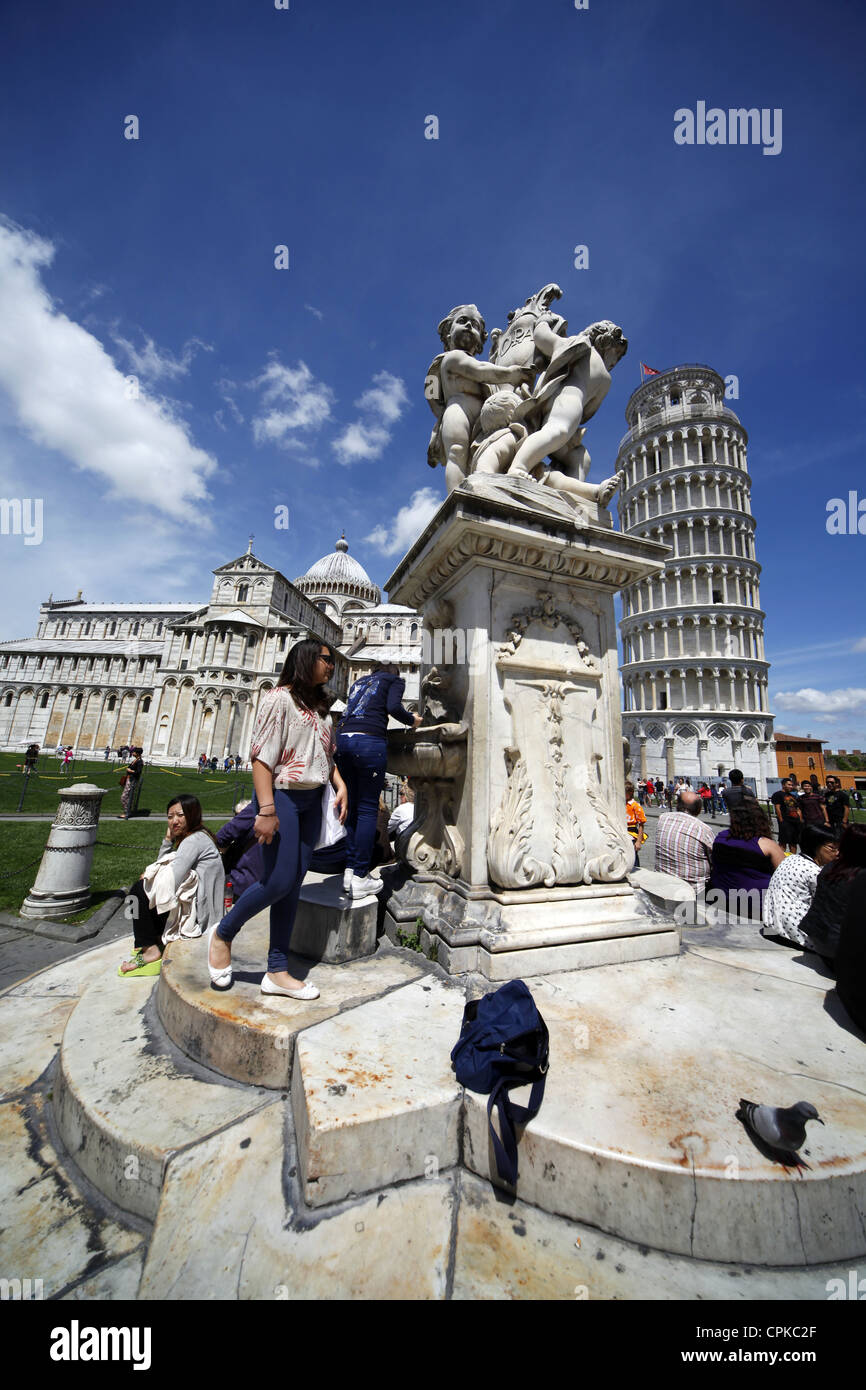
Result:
{"points": [[7, 702], [43, 703], [812, 762], [790, 762], [387, 632], [413, 633], [112, 630], [243, 590], [112, 701], [78, 700], [145, 704]]}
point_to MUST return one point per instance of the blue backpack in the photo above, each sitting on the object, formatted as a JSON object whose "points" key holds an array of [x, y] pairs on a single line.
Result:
{"points": [[504, 1042]]}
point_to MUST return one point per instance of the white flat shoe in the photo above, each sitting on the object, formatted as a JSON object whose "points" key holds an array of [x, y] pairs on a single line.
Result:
{"points": [[347, 881], [307, 991], [219, 978]]}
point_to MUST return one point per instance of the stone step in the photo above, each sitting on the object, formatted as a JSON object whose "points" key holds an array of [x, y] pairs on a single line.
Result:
{"points": [[249, 1036], [637, 1133], [57, 1239], [374, 1096], [446, 1236], [125, 1101]]}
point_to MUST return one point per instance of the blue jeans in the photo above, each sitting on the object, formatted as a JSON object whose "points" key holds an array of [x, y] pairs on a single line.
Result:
{"points": [[362, 760], [287, 859]]}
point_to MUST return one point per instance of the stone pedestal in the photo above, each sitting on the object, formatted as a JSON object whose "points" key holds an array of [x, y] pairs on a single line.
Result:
{"points": [[519, 843], [62, 884], [329, 926]]}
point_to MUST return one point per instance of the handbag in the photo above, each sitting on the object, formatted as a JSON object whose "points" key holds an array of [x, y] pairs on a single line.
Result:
{"points": [[331, 830], [504, 1042]]}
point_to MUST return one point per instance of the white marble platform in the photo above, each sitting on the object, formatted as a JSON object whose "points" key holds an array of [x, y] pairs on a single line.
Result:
{"points": [[636, 1180]]}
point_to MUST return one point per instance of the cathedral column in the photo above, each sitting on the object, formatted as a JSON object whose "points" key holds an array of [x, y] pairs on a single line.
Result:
{"points": [[231, 727]]}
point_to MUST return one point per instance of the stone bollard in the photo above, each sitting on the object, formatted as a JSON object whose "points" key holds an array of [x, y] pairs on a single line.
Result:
{"points": [[62, 884]]}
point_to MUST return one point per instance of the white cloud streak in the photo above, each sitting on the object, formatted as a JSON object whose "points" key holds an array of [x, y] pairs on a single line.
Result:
{"points": [[381, 407], [407, 524], [69, 396], [292, 399], [824, 704], [152, 362]]}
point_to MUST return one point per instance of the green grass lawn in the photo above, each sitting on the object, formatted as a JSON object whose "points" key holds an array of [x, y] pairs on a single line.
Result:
{"points": [[217, 791], [123, 850]]}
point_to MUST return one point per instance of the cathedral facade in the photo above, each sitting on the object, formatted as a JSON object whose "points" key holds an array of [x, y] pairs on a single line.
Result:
{"points": [[180, 679]]}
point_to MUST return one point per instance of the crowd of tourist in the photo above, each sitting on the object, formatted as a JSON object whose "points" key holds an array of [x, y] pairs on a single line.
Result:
{"points": [[807, 888]]}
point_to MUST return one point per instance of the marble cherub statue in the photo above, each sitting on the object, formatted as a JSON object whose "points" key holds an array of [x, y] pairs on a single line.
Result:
{"points": [[456, 387], [498, 435], [569, 391]]}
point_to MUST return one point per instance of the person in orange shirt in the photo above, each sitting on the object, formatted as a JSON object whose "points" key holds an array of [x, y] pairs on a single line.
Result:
{"points": [[636, 820]]}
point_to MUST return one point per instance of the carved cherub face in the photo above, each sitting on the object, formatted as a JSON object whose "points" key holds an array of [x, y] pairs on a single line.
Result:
{"points": [[464, 328], [609, 342]]}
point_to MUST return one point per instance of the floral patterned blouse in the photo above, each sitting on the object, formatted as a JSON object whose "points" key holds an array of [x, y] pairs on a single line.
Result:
{"points": [[296, 743]]}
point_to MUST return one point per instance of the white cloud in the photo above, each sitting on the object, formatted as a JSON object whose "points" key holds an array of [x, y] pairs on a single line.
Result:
{"points": [[296, 401], [69, 396], [382, 405], [317, 313], [360, 441], [408, 523], [859, 645], [386, 398], [825, 704], [152, 362]]}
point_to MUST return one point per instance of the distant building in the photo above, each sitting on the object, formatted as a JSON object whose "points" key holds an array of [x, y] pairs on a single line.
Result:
{"points": [[800, 757], [183, 679], [694, 671], [853, 774]]}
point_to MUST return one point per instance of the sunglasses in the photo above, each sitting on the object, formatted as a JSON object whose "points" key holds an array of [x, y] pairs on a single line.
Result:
{"points": [[328, 660]]}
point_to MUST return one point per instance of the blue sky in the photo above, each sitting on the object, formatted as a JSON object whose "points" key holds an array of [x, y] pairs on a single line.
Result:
{"points": [[303, 387]]}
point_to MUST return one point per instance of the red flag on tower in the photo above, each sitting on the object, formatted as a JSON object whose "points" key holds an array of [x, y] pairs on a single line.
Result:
{"points": [[648, 371]]}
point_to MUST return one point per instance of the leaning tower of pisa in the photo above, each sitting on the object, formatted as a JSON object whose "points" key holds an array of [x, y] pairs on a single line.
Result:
{"points": [[694, 672]]}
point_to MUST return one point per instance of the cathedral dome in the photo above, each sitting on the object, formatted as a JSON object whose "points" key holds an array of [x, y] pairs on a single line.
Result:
{"points": [[338, 575]]}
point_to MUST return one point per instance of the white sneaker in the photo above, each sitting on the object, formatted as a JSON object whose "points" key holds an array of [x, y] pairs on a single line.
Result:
{"points": [[347, 880], [363, 887]]}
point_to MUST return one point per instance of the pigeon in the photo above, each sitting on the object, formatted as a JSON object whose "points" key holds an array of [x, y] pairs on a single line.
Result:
{"points": [[776, 1132]]}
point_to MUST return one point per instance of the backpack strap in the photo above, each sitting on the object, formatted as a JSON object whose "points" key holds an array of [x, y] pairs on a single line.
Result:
{"points": [[505, 1149]]}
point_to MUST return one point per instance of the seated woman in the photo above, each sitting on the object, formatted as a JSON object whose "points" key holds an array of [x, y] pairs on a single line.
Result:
{"points": [[792, 887], [822, 924], [743, 859], [187, 848]]}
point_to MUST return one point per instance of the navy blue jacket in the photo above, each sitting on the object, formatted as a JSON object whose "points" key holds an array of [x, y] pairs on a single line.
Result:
{"points": [[371, 700], [245, 862]]}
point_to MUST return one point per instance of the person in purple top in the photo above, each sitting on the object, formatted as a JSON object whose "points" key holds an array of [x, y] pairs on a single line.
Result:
{"points": [[243, 856], [743, 859], [361, 759]]}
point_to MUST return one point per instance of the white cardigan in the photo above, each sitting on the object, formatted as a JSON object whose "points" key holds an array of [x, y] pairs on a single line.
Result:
{"points": [[188, 883]]}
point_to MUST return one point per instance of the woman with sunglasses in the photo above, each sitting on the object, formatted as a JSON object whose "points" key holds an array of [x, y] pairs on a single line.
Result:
{"points": [[292, 755]]}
